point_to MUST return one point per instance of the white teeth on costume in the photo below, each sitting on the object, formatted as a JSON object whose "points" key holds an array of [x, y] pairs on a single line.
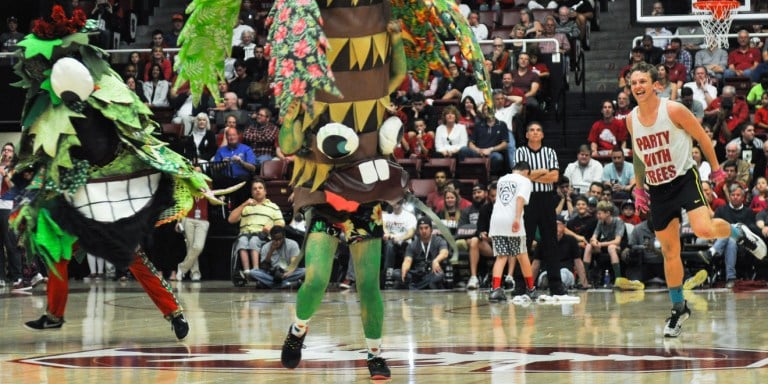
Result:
{"points": [[373, 171], [114, 200]]}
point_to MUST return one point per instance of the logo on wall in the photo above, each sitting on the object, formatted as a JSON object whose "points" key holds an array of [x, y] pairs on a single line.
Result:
{"points": [[450, 359]]}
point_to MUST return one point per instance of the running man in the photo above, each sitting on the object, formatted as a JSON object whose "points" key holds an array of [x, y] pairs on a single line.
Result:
{"points": [[662, 134]]}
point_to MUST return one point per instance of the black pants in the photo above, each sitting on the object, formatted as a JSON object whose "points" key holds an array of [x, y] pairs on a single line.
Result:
{"points": [[8, 249], [540, 214]]}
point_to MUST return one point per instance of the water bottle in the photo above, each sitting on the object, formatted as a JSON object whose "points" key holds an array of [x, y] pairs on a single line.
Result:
{"points": [[607, 278], [449, 276]]}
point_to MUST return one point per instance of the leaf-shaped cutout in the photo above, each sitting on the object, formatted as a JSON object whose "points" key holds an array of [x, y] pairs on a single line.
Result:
{"points": [[112, 90], [52, 123]]}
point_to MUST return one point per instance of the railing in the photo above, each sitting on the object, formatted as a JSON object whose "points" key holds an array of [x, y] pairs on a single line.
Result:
{"points": [[637, 39]]}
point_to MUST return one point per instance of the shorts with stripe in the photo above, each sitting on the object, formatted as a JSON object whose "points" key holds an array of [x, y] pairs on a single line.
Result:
{"points": [[508, 245], [667, 199]]}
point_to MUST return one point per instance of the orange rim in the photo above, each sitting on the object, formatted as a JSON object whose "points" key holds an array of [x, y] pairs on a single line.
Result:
{"points": [[719, 8]]}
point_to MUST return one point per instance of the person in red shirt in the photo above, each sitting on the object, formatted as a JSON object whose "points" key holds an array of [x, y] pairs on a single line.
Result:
{"points": [[676, 72], [742, 60], [607, 132], [724, 114], [628, 214]]}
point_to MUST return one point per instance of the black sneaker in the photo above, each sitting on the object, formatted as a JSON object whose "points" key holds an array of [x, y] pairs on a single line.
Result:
{"points": [[674, 325], [532, 294], [44, 323], [557, 289], [497, 295], [378, 368], [180, 326], [291, 355]]}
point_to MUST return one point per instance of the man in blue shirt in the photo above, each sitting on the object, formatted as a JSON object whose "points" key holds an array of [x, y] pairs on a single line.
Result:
{"points": [[239, 157]]}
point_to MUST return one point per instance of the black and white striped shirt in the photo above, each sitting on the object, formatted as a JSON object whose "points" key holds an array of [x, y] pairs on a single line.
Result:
{"points": [[544, 158]]}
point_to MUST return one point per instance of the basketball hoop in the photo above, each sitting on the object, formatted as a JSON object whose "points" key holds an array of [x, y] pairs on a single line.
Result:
{"points": [[715, 17]]}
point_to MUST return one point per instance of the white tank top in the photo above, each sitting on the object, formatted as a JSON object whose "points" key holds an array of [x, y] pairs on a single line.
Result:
{"points": [[664, 148]]}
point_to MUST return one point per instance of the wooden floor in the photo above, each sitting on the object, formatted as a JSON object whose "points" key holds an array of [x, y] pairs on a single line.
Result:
{"points": [[113, 334]]}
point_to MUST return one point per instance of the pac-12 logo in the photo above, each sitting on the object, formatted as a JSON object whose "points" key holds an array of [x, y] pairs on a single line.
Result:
{"points": [[505, 192]]}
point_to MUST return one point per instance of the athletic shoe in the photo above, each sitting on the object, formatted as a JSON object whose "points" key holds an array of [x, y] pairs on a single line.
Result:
{"points": [[44, 323], [180, 326], [532, 294], [290, 357], [472, 283], [179, 274], [628, 285], [378, 368], [730, 284], [2, 283], [509, 282], [497, 295], [36, 279], [195, 276], [245, 274], [18, 284], [694, 281], [346, 284], [558, 289], [753, 243], [674, 325]]}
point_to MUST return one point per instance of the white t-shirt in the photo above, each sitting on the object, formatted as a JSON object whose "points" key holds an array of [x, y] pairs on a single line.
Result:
{"points": [[508, 189], [398, 225]]}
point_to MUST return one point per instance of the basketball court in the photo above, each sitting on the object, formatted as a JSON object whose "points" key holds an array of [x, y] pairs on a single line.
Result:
{"points": [[114, 334]]}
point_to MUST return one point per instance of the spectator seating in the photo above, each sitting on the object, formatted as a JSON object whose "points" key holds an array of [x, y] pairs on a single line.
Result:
{"points": [[279, 190], [431, 167], [509, 17], [478, 168], [742, 84], [490, 19], [422, 187], [412, 166]]}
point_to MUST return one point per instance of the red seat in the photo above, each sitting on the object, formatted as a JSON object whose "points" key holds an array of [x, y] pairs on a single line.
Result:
{"points": [[509, 17], [273, 170], [474, 168], [422, 187], [431, 167], [412, 166]]}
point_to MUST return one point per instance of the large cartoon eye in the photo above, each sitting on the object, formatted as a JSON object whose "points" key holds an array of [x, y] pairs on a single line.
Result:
{"points": [[337, 140], [390, 134], [70, 80]]}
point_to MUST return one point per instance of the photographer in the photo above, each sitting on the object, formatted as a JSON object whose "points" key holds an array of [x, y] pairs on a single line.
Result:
{"points": [[276, 256], [103, 13], [424, 258], [724, 114]]}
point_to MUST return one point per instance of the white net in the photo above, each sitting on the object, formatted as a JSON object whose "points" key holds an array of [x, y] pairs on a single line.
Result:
{"points": [[716, 20]]}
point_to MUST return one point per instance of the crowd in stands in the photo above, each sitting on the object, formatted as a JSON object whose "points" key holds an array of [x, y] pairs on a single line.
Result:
{"points": [[447, 124]]}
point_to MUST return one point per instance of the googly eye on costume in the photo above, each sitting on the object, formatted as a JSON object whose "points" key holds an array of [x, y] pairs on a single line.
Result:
{"points": [[337, 140]]}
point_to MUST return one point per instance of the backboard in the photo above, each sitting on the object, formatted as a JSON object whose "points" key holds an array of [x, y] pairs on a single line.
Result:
{"points": [[678, 12]]}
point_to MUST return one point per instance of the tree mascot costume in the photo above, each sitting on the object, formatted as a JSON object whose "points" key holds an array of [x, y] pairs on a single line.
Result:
{"points": [[101, 177], [332, 83]]}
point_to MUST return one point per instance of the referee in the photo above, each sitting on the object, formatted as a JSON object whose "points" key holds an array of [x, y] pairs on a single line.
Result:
{"points": [[540, 211]]}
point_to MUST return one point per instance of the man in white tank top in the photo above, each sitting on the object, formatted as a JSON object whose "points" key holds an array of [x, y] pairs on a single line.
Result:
{"points": [[668, 181]]}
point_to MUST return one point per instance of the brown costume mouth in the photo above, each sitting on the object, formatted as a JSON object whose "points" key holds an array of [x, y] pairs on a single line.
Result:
{"points": [[111, 199]]}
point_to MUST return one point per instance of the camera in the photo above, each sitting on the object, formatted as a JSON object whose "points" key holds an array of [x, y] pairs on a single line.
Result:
{"points": [[726, 103]]}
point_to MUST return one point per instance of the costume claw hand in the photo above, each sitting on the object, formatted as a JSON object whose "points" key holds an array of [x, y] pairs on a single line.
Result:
{"points": [[642, 200], [210, 194], [718, 176]]}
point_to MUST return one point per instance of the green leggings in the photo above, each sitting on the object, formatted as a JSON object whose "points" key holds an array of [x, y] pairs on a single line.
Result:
{"points": [[366, 255]]}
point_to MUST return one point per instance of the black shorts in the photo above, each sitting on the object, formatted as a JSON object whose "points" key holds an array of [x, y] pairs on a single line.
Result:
{"points": [[667, 199]]}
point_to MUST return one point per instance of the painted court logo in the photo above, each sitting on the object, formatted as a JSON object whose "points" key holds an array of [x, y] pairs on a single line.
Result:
{"points": [[453, 359]]}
